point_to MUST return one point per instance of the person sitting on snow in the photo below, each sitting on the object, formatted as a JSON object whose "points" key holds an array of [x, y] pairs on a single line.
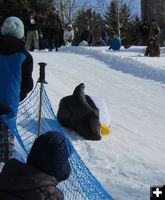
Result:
{"points": [[47, 165], [153, 49], [68, 35], [116, 43], [86, 37]]}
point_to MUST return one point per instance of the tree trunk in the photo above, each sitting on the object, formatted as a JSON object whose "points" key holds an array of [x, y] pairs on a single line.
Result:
{"points": [[62, 9], [118, 17]]}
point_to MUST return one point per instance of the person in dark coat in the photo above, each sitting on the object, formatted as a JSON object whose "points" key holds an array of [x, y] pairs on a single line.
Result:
{"points": [[145, 29], [87, 36], [32, 32], [47, 165], [154, 30], [76, 39], [54, 27], [15, 79]]}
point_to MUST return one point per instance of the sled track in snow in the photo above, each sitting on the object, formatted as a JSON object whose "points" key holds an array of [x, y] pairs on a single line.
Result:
{"points": [[133, 67]]}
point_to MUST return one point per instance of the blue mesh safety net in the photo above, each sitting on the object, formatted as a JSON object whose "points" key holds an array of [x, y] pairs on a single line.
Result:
{"points": [[81, 184]]}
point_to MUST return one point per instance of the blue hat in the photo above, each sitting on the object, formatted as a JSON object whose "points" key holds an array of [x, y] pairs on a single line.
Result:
{"points": [[13, 26], [49, 153]]}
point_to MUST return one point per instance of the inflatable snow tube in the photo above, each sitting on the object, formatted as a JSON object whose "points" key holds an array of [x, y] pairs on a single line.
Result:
{"points": [[86, 114], [79, 112], [83, 43]]}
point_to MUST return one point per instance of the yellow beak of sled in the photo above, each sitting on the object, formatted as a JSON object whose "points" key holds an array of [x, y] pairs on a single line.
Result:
{"points": [[105, 130]]}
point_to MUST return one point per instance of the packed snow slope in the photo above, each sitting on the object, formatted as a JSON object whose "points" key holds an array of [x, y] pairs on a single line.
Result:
{"points": [[131, 159]]}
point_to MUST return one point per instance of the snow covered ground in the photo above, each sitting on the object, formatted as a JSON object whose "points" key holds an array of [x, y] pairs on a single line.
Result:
{"points": [[131, 159]]}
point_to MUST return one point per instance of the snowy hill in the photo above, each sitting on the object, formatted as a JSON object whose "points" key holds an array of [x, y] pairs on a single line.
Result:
{"points": [[131, 159]]}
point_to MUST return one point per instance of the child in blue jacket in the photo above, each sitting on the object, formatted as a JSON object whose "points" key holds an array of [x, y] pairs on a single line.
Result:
{"points": [[116, 43]]}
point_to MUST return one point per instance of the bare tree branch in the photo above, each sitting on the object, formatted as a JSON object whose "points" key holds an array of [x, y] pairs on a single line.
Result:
{"points": [[26, 4], [69, 8]]}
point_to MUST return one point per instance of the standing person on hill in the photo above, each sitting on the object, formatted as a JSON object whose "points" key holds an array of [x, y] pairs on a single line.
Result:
{"points": [[15, 79], [47, 165], [68, 35], [116, 43], [145, 29], [32, 32], [87, 36], [54, 26], [154, 31]]}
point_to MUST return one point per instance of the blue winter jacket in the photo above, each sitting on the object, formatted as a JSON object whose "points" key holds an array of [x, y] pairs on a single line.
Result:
{"points": [[116, 44], [16, 66], [10, 79]]}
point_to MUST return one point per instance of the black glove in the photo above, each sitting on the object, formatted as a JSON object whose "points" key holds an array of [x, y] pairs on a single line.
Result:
{"points": [[4, 109]]}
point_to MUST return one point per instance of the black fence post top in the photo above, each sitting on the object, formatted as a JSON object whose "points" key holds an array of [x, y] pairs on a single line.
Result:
{"points": [[42, 73]]}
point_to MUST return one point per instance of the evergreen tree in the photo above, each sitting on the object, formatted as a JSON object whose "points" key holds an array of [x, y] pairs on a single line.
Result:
{"points": [[6, 8], [124, 21], [42, 8], [111, 19], [22, 8], [93, 19], [133, 36], [117, 19]]}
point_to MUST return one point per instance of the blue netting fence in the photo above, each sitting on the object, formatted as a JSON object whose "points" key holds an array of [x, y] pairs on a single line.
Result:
{"points": [[81, 184]]}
